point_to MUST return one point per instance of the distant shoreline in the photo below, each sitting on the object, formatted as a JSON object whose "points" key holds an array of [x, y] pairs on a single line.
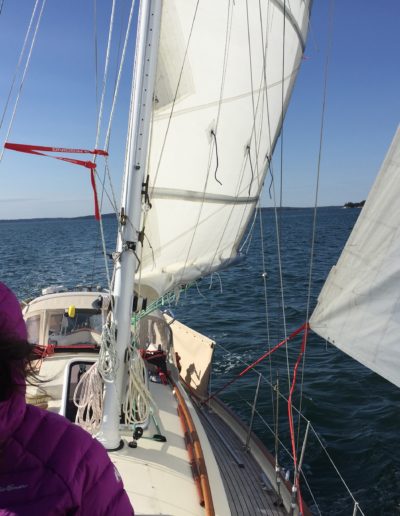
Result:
{"points": [[111, 215]]}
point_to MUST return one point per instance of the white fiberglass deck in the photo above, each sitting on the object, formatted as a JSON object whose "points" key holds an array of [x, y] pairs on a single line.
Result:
{"points": [[157, 476]]}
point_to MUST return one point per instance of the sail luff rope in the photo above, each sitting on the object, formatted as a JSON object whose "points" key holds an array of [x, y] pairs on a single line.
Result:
{"points": [[19, 63], [23, 77]]}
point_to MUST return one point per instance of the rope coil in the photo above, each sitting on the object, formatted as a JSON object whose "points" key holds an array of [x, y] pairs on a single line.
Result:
{"points": [[136, 406], [107, 363], [88, 398]]}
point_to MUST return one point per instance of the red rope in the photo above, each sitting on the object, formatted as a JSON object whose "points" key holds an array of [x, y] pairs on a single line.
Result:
{"points": [[290, 415], [39, 150], [251, 366]]}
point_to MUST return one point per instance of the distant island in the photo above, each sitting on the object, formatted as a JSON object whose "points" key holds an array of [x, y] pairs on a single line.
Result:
{"points": [[354, 204]]}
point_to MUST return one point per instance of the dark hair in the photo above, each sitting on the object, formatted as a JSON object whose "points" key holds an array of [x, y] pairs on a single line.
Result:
{"points": [[16, 357]]}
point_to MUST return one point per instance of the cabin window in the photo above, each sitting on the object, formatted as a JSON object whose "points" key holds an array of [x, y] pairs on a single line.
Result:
{"points": [[33, 329], [82, 329]]}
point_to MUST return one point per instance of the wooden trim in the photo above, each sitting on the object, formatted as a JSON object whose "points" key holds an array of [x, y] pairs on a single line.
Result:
{"points": [[198, 452]]}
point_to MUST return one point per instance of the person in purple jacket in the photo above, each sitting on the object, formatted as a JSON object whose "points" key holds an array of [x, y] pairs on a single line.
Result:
{"points": [[48, 466]]}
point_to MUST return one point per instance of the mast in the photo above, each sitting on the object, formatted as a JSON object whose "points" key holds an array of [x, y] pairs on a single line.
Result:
{"points": [[147, 40]]}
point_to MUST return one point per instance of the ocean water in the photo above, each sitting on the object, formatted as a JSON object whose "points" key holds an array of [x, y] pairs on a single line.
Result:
{"points": [[354, 411]]}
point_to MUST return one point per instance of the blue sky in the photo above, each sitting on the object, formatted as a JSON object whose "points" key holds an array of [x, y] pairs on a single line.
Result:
{"points": [[58, 105], [363, 103]]}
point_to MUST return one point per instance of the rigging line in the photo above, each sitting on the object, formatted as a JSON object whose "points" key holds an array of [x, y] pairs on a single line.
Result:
{"points": [[335, 467], [176, 91], [23, 75], [251, 70], [264, 276], [1, 7], [118, 80], [279, 253], [272, 177], [285, 449], [249, 236], [282, 109], [241, 225], [113, 201], [321, 141], [99, 119], [228, 33], [265, 48], [290, 455], [105, 75], [115, 209], [253, 131], [106, 65], [256, 362], [255, 108], [19, 61], [255, 371], [204, 192], [96, 60]]}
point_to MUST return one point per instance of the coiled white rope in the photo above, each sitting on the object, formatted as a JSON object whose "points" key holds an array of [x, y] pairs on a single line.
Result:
{"points": [[107, 363], [88, 398], [137, 402]]}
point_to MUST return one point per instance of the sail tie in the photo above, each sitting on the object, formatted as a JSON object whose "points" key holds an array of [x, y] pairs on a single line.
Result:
{"points": [[40, 150]]}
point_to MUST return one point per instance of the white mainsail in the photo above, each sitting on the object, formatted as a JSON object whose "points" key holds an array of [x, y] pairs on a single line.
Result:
{"points": [[358, 309], [221, 90]]}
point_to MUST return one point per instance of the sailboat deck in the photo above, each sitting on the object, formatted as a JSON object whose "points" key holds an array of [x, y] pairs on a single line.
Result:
{"points": [[245, 484]]}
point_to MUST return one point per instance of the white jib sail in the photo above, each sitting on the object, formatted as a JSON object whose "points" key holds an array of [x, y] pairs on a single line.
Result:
{"points": [[217, 115], [358, 309]]}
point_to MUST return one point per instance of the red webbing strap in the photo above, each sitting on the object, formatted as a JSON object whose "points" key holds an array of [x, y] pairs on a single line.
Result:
{"points": [[251, 366], [290, 415], [96, 200], [40, 150]]}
